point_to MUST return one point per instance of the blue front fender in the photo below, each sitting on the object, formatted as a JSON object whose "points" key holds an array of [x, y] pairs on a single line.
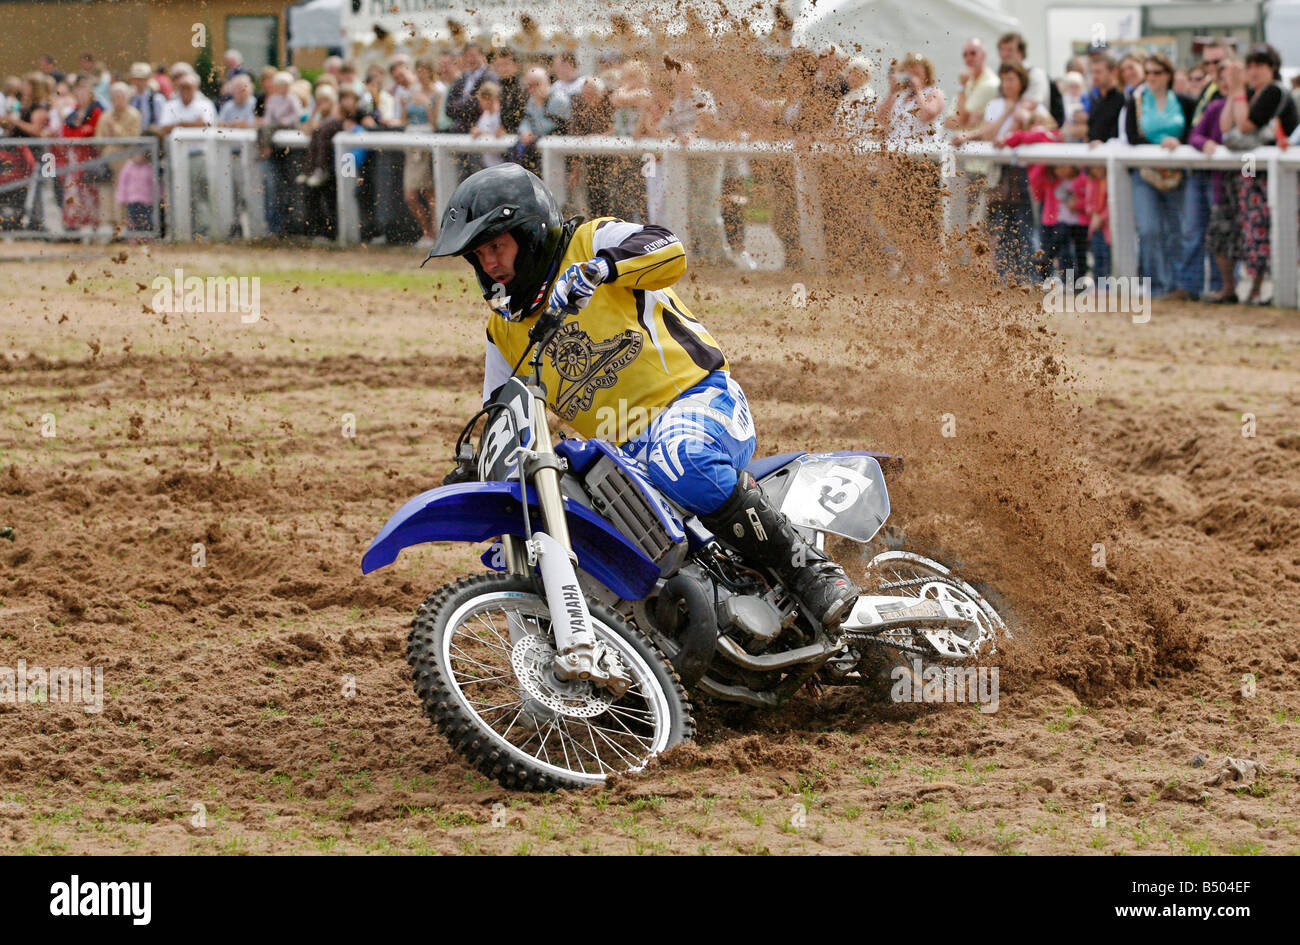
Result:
{"points": [[477, 511]]}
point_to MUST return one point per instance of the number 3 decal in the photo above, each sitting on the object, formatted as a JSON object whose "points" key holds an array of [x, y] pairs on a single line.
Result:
{"points": [[840, 489]]}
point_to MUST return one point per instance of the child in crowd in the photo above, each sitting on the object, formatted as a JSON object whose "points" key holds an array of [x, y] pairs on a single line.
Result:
{"points": [[1097, 207], [135, 191], [1061, 191], [1034, 125], [489, 121]]}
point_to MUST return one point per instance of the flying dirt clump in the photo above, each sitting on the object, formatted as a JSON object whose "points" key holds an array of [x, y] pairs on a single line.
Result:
{"points": [[970, 386]]}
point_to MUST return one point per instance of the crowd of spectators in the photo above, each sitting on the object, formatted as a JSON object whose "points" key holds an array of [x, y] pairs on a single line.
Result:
{"points": [[1199, 232]]}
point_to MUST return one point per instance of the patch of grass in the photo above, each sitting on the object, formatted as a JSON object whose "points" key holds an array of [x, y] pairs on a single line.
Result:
{"points": [[1005, 839], [457, 818]]}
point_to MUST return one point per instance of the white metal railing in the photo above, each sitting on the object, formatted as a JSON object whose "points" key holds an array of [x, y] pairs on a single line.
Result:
{"points": [[442, 147], [671, 156], [217, 148], [46, 167]]}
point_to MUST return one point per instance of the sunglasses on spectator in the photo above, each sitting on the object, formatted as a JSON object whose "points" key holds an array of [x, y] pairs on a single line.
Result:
{"points": [[1211, 62], [1156, 71]]}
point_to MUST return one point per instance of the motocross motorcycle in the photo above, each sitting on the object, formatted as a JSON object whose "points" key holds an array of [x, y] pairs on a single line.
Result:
{"points": [[570, 659]]}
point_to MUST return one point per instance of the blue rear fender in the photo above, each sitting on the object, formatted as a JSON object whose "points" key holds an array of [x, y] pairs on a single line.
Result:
{"points": [[477, 511]]}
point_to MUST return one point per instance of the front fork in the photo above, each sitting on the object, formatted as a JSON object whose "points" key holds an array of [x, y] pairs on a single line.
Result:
{"points": [[579, 654]]}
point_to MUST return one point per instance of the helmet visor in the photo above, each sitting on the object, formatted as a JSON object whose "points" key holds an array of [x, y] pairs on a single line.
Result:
{"points": [[458, 235]]}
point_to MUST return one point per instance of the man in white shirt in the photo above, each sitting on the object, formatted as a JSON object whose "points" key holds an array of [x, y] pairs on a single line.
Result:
{"points": [[239, 111], [191, 109], [148, 102], [567, 79], [282, 111], [979, 86]]}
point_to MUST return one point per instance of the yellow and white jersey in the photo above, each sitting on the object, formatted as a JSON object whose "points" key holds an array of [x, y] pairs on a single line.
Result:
{"points": [[635, 344]]}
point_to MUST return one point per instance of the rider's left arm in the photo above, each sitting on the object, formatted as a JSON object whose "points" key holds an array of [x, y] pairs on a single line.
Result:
{"points": [[640, 256]]}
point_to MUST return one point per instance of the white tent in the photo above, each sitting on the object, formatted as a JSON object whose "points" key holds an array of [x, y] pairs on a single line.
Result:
{"points": [[1282, 29], [554, 18], [318, 23], [890, 29]]}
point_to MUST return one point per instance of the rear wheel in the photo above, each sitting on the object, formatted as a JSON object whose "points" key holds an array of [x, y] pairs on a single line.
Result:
{"points": [[481, 651], [906, 574]]}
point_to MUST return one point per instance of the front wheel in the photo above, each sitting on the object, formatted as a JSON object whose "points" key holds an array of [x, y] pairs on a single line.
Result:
{"points": [[481, 651]]}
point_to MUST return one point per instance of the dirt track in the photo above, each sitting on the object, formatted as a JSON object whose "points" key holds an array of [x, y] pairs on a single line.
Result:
{"points": [[225, 683]]}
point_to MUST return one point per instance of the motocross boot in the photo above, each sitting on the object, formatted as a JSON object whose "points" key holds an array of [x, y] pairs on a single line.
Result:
{"points": [[750, 525]]}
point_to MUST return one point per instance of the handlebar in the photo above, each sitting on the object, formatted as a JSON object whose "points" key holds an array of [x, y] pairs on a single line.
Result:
{"points": [[546, 322]]}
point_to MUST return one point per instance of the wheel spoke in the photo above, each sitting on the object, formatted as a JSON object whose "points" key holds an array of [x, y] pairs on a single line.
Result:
{"points": [[564, 748], [619, 706], [578, 746], [595, 749], [489, 707], [627, 732], [635, 737], [524, 620], [616, 715], [536, 731], [551, 727], [481, 640], [476, 679], [618, 749], [506, 733], [474, 662], [495, 632]]}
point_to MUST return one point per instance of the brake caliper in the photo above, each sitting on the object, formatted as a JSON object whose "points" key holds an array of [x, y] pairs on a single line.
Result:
{"points": [[595, 662]]}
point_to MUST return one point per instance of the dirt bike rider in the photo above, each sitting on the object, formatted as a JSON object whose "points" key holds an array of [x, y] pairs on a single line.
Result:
{"points": [[627, 341]]}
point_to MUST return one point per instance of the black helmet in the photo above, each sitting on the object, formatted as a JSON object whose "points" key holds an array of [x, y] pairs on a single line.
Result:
{"points": [[506, 198]]}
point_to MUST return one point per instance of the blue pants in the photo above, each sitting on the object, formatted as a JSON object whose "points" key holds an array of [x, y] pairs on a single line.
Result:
{"points": [[1100, 256], [1066, 244], [1198, 193], [277, 193], [139, 217], [1160, 235], [694, 449], [1012, 227]]}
